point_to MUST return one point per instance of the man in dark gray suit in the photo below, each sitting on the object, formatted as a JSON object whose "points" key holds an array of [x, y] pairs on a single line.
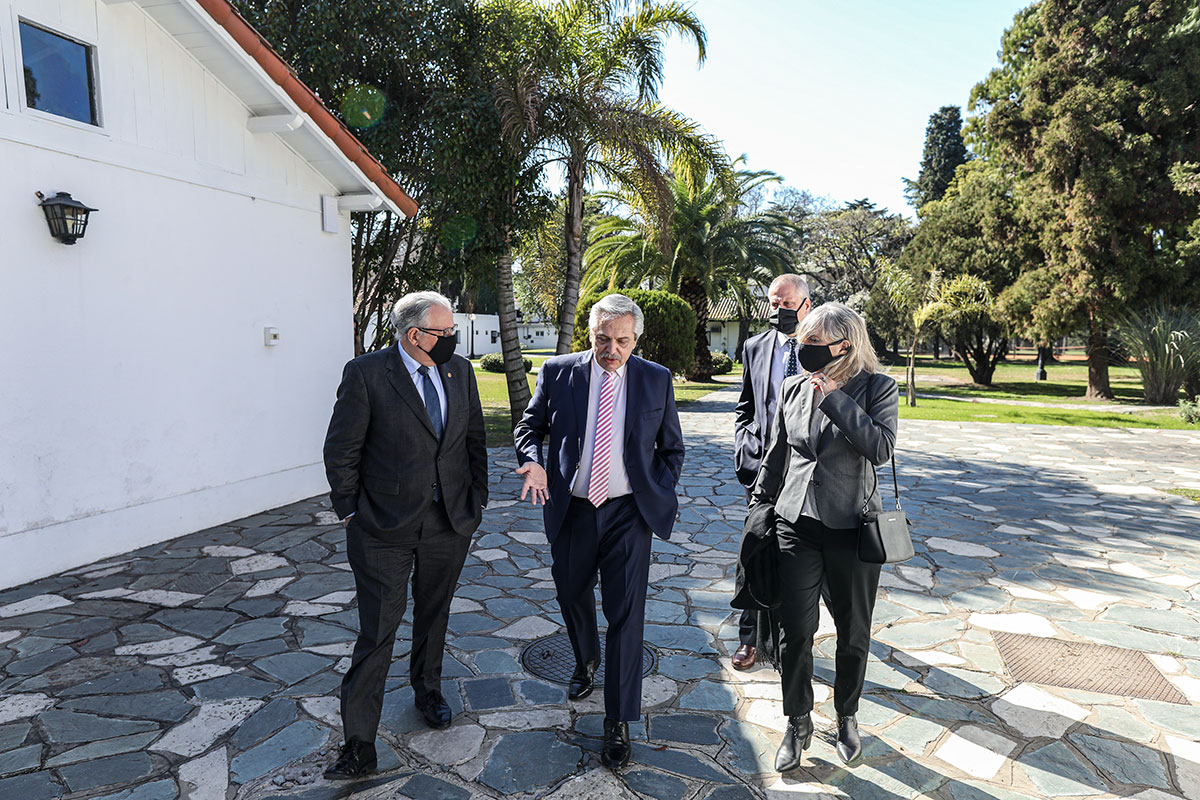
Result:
{"points": [[767, 359], [407, 467]]}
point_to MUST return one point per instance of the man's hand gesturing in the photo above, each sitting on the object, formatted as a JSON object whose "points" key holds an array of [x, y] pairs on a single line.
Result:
{"points": [[535, 483]]}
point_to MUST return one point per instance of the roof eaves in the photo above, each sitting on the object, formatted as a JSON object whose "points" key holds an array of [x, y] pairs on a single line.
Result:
{"points": [[257, 48]]}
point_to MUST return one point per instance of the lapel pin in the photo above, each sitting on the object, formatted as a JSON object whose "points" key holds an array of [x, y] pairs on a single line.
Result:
{"points": [[449, 375]]}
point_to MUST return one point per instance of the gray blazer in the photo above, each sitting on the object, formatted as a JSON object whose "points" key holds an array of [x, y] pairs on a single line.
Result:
{"points": [[835, 464]]}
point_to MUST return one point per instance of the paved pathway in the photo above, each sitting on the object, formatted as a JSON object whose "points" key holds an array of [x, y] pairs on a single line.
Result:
{"points": [[207, 667]]}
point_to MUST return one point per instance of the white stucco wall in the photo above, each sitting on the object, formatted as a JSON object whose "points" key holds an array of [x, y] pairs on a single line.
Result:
{"points": [[137, 399]]}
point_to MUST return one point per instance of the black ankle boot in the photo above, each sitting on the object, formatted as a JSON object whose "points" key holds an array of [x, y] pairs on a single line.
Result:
{"points": [[849, 746], [796, 738]]}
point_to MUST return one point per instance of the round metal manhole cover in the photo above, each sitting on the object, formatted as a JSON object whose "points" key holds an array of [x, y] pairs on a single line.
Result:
{"points": [[552, 659]]}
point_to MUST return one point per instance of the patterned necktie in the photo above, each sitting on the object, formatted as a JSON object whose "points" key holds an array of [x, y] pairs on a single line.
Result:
{"points": [[598, 483], [793, 367], [432, 404]]}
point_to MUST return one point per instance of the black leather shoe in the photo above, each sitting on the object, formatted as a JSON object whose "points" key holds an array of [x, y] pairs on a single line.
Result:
{"points": [[849, 746], [356, 760], [581, 681], [435, 710], [796, 739], [614, 752]]}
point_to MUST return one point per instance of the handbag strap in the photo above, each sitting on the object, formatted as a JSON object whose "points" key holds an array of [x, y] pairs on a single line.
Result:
{"points": [[895, 482]]}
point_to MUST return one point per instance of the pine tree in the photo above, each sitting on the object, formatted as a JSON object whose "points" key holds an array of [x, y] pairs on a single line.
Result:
{"points": [[944, 152]]}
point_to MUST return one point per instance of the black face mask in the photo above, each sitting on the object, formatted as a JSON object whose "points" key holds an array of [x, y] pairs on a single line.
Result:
{"points": [[815, 357], [784, 320], [443, 350]]}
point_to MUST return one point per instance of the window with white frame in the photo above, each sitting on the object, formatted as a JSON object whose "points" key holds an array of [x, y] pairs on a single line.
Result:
{"points": [[59, 74]]}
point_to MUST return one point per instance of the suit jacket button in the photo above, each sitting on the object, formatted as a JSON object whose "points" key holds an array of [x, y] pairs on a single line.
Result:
{"points": [[816, 482]]}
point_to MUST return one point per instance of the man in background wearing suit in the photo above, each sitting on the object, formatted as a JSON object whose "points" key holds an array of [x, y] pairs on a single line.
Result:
{"points": [[606, 481], [407, 467], [767, 359]]}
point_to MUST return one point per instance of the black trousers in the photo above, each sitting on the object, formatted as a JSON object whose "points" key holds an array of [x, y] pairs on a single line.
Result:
{"points": [[809, 552], [750, 620], [433, 554], [615, 541]]}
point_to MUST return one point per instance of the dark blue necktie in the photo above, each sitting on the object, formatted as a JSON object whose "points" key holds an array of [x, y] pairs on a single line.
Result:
{"points": [[432, 404], [792, 368]]}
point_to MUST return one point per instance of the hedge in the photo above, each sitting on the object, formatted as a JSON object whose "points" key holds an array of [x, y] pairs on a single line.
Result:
{"points": [[669, 335]]}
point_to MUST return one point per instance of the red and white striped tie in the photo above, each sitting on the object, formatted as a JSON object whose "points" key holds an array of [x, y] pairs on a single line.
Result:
{"points": [[598, 484]]}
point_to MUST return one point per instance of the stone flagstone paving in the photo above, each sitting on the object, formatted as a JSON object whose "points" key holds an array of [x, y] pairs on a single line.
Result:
{"points": [[207, 668]]}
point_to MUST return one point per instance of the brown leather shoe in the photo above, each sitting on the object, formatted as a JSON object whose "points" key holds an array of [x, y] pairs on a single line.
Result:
{"points": [[744, 656]]}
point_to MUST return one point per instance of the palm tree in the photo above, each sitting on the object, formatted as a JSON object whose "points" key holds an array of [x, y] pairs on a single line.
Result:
{"points": [[712, 247], [603, 121], [931, 300]]}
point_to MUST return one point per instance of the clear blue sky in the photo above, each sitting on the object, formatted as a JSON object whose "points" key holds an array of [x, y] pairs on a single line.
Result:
{"points": [[834, 95]]}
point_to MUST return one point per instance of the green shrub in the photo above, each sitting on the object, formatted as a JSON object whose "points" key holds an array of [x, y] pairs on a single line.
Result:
{"points": [[1164, 343], [494, 362], [669, 335], [1189, 411], [721, 363]]}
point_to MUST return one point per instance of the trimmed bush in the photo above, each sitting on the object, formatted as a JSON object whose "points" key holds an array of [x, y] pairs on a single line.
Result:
{"points": [[669, 336], [721, 363], [494, 362], [1189, 411]]}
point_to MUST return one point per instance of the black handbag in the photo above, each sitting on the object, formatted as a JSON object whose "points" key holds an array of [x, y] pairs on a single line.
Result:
{"points": [[884, 537]]}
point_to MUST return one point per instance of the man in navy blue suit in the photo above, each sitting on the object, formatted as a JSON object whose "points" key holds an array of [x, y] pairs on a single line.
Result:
{"points": [[606, 480]]}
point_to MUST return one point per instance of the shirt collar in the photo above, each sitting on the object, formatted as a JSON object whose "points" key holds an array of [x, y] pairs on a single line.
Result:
{"points": [[781, 339], [410, 363], [598, 371]]}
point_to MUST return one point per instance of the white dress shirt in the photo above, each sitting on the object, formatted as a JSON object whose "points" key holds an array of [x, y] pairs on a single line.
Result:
{"points": [[412, 365], [779, 356], [618, 478]]}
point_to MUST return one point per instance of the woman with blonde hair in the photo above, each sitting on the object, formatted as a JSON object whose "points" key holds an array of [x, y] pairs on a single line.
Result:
{"points": [[829, 424]]}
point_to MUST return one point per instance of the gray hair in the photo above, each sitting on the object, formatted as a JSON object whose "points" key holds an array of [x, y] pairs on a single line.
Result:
{"points": [[833, 322], [412, 310], [612, 306], [791, 279]]}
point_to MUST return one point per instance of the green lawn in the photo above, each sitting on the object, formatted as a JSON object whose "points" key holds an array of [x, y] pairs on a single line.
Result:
{"points": [[957, 411], [1066, 382], [1190, 494], [1013, 380]]}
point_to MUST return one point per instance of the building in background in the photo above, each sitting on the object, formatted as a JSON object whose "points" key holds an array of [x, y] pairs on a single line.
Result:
{"points": [[724, 324], [174, 368]]}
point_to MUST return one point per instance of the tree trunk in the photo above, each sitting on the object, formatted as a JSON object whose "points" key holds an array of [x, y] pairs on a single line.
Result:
{"points": [[573, 231], [743, 335], [510, 342], [910, 376], [1098, 385], [692, 292], [1046, 354], [937, 346]]}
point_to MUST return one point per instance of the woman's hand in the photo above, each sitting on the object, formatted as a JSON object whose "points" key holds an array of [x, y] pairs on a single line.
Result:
{"points": [[822, 383]]}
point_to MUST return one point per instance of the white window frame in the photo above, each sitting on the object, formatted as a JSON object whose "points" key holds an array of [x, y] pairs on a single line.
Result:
{"points": [[93, 56]]}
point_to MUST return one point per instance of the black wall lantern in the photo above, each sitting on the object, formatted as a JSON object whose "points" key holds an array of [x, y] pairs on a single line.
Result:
{"points": [[66, 216]]}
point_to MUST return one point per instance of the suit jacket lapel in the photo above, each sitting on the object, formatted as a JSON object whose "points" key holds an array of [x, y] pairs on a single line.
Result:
{"points": [[761, 378], [456, 399], [853, 389], [403, 384], [581, 384], [633, 387]]}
